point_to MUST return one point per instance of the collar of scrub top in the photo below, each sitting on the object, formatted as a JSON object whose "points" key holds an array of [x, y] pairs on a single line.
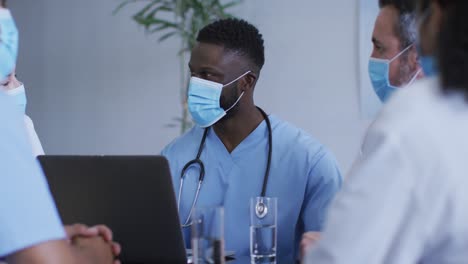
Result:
{"points": [[261, 208]]}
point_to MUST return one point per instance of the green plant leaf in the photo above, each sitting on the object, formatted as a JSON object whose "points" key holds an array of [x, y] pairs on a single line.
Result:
{"points": [[125, 3], [147, 22], [158, 28], [147, 7], [160, 8], [230, 4], [120, 6], [167, 35], [183, 50]]}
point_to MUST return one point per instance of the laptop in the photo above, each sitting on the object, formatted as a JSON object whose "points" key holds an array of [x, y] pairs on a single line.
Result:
{"points": [[133, 195]]}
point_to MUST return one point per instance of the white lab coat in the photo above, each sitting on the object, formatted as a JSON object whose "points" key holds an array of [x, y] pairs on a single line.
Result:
{"points": [[32, 137], [406, 198]]}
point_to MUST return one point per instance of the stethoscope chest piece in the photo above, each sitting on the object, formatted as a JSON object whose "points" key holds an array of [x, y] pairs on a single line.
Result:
{"points": [[261, 210]]}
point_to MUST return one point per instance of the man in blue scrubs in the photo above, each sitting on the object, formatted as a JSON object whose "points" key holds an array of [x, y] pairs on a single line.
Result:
{"points": [[225, 65]]}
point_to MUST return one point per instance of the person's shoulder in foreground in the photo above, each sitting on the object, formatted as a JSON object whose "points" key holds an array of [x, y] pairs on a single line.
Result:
{"points": [[30, 227], [405, 198], [401, 112], [23, 185]]}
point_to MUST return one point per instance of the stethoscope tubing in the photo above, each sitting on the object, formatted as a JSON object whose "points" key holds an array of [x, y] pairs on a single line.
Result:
{"points": [[201, 177]]}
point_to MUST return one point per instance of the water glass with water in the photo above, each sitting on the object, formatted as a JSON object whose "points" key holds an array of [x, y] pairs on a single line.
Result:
{"points": [[263, 229], [208, 235]]}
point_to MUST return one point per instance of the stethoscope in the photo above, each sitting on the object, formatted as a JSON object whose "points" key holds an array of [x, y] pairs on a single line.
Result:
{"points": [[261, 209]]}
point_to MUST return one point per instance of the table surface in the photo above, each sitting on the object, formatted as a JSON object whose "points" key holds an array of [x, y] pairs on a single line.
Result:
{"points": [[246, 260]]}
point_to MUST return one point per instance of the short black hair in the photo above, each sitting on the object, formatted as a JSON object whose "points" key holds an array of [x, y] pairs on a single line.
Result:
{"points": [[424, 4], [236, 35], [452, 51], [406, 25]]}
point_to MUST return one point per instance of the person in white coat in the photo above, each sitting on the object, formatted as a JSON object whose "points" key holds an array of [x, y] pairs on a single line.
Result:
{"points": [[405, 200], [395, 62], [15, 89]]}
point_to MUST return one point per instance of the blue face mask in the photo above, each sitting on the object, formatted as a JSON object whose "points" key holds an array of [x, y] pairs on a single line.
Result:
{"points": [[379, 73], [19, 97], [204, 101], [428, 63], [429, 66], [8, 43]]}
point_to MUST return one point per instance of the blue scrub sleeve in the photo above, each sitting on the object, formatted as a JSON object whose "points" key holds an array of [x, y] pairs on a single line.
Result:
{"points": [[325, 181], [27, 212]]}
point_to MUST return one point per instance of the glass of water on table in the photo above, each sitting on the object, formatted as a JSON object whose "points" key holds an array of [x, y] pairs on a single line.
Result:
{"points": [[208, 235], [263, 229]]}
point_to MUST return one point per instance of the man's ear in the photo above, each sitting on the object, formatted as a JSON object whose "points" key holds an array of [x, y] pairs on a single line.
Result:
{"points": [[249, 81]]}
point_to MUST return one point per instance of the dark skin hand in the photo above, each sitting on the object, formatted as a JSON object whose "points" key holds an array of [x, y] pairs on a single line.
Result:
{"points": [[3, 3], [84, 245], [212, 62], [92, 250], [82, 231], [100, 252]]}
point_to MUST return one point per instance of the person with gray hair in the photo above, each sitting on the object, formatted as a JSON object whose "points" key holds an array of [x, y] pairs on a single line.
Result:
{"points": [[394, 61], [405, 199]]}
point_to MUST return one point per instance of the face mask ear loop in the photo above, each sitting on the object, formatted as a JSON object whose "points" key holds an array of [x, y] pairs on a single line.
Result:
{"points": [[414, 77], [238, 78], [401, 52], [238, 99], [242, 94]]}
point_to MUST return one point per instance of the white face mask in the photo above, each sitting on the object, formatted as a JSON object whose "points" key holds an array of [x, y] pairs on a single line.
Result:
{"points": [[19, 96]]}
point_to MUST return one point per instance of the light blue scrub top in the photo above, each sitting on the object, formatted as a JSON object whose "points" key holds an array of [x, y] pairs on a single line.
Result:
{"points": [[27, 213], [304, 176]]}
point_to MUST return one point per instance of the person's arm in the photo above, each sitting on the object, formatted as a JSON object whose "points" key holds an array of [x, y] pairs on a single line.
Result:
{"points": [[30, 228], [324, 181], [82, 251]]}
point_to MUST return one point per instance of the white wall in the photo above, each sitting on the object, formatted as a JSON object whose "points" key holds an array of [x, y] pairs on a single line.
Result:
{"points": [[98, 85]]}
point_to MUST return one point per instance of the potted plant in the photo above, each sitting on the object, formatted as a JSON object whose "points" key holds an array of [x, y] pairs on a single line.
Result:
{"points": [[189, 16]]}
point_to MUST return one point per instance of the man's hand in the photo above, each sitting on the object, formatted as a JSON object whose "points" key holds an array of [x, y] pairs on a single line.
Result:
{"points": [[82, 231], [309, 239], [92, 250], [3, 3]]}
